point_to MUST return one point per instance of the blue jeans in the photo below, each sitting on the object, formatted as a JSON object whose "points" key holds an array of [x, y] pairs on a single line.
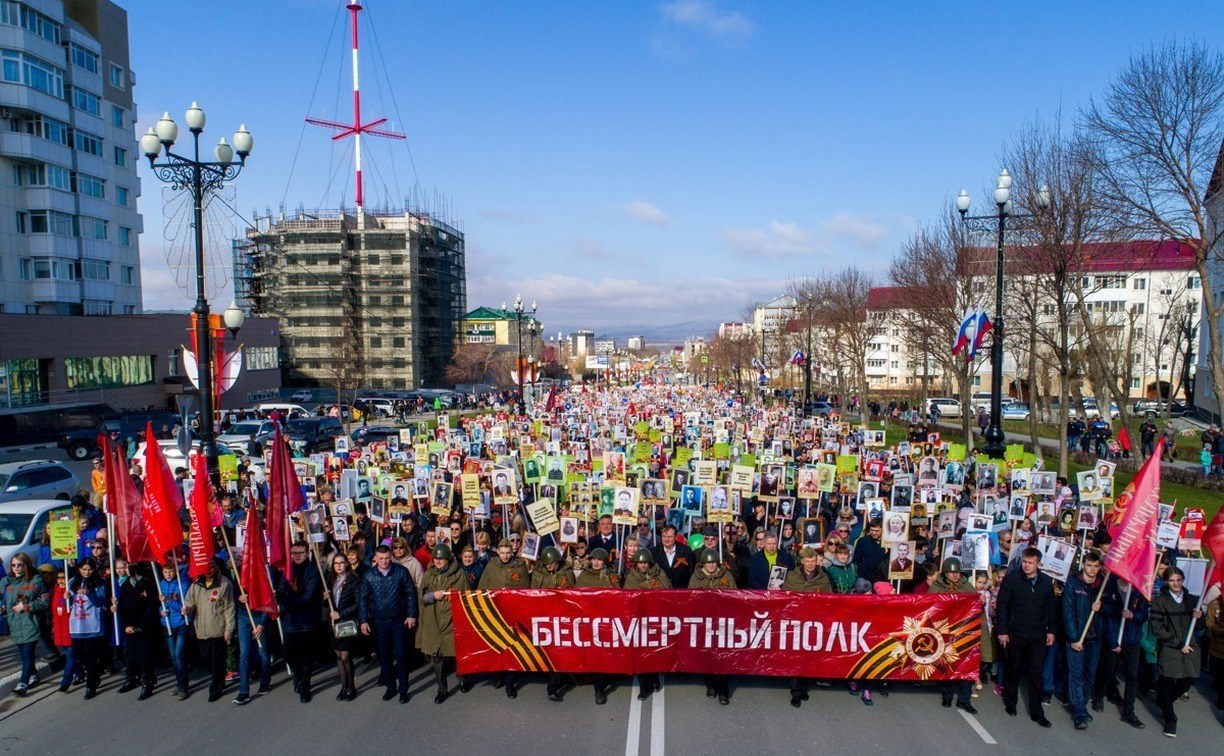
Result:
{"points": [[26, 652], [1081, 676], [1054, 672], [176, 642], [71, 668], [247, 655], [391, 638]]}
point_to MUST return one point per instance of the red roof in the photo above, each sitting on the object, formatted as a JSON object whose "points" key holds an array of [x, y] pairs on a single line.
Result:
{"points": [[1097, 257]]}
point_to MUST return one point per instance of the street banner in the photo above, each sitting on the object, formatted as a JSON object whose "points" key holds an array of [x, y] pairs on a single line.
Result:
{"points": [[203, 500], [162, 500], [1132, 553], [773, 633]]}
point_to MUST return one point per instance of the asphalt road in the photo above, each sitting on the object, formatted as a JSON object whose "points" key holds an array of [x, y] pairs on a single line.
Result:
{"points": [[679, 719]]}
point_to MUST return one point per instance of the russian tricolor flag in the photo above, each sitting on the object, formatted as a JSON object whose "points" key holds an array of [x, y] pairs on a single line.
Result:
{"points": [[964, 334], [982, 326]]}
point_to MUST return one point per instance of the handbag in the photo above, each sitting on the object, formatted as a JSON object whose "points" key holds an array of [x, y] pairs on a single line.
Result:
{"points": [[345, 629]]}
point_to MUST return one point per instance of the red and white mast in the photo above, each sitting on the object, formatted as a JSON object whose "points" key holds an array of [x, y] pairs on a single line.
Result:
{"points": [[356, 128]]}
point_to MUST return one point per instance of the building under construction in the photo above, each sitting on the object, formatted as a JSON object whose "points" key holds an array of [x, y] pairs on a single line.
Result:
{"points": [[364, 301]]}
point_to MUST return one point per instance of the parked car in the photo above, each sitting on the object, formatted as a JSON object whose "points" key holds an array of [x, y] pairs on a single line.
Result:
{"points": [[1092, 410], [981, 401], [370, 434], [307, 435], [1153, 408], [947, 406], [1016, 411], [302, 396], [22, 524], [37, 479], [242, 433], [821, 409], [176, 459], [83, 444]]}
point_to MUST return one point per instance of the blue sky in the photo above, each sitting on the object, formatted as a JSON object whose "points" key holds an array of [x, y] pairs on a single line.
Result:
{"points": [[653, 166]]}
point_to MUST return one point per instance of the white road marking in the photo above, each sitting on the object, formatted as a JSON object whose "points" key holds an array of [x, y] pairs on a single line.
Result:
{"points": [[977, 727], [657, 733], [634, 736]]}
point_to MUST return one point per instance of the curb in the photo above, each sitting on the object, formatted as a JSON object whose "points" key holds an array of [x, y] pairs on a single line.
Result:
{"points": [[26, 448]]}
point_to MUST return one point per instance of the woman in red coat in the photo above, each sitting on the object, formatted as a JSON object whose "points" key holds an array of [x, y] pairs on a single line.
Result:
{"points": [[73, 674]]}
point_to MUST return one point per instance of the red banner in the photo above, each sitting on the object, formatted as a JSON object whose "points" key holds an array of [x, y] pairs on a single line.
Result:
{"points": [[775, 633]]}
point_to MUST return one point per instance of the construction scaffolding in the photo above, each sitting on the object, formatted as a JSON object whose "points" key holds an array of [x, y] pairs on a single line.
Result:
{"points": [[373, 304]]}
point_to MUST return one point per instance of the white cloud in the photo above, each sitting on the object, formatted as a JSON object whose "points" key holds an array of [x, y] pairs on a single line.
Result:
{"points": [[648, 213], [780, 240], [703, 17]]}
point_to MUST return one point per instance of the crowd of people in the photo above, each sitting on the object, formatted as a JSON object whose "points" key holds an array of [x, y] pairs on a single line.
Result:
{"points": [[371, 577]]}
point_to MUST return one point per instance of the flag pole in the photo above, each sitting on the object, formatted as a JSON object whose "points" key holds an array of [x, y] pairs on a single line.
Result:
{"points": [[110, 547], [1125, 604], [229, 551], [314, 547], [1199, 606], [178, 578], [161, 598], [1092, 614]]}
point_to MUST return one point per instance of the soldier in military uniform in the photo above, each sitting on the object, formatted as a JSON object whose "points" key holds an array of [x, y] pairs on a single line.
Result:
{"points": [[435, 628], [551, 572], [506, 571], [646, 575], [597, 575], [808, 577], [713, 575]]}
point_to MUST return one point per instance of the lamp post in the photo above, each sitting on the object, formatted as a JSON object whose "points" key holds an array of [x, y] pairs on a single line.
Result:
{"points": [[995, 440], [200, 178], [518, 320]]}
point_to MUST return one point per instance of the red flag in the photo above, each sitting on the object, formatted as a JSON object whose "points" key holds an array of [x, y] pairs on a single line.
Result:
{"points": [[253, 577], [1132, 553], [203, 500], [162, 500], [284, 498], [1213, 539], [122, 501]]}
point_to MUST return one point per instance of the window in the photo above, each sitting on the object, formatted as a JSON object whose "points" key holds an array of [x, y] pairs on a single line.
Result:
{"points": [[1139, 284], [43, 174], [114, 74], [47, 268], [1134, 384], [120, 157], [16, 14], [22, 68], [90, 186], [125, 236], [896, 347], [1138, 308], [894, 364], [117, 116], [83, 58], [41, 126], [121, 196], [88, 143], [52, 222], [104, 372], [870, 363], [1194, 282], [261, 358], [129, 309], [95, 270], [892, 381], [127, 274], [977, 380], [97, 307], [1112, 282], [93, 228], [83, 99]]}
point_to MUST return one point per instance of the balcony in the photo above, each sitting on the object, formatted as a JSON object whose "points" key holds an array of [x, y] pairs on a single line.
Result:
{"points": [[50, 291], [14, 144]]}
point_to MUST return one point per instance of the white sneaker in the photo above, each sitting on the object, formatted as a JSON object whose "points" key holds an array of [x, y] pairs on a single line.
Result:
{"points": [[34, 680]]}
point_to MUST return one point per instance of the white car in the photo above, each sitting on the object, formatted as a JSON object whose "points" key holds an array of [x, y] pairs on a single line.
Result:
{"points": [[37, 479], [22, 524], [303, 396], [175, 458], [240, 434], [947, 407]]}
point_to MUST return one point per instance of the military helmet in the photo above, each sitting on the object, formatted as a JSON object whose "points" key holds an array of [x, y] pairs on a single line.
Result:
{"points": [[600, 554], [550, 556], [643, 557], [952, 564], [709, 556], [442, 551]]}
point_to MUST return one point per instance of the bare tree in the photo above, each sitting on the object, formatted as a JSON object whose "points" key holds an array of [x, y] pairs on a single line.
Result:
{"points": [[1158, 132]]}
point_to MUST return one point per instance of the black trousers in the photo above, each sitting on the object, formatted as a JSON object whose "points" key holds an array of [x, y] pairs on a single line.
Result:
{"points": [[1107, 675], [1168, 690], [1025, 658], [720, 684], [798, 686], [89, 653], [213, 652], [297, 650], [441, 670], [962, 689]]}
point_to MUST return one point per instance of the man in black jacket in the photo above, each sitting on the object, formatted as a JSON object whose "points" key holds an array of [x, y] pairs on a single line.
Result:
{"points": [[300, 610], [388, 609], [674, 557], [1025, 619]]}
